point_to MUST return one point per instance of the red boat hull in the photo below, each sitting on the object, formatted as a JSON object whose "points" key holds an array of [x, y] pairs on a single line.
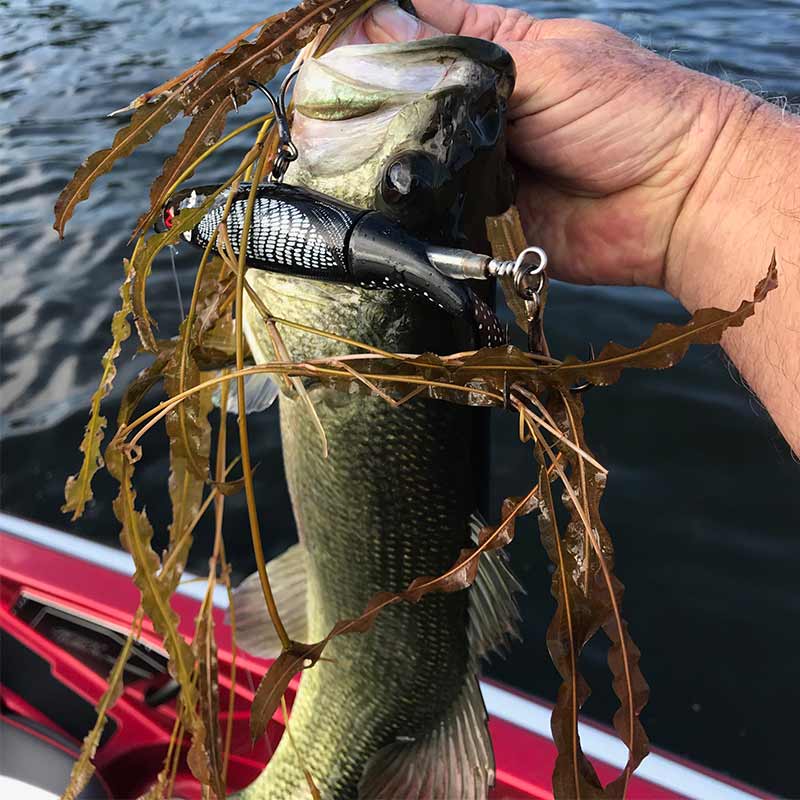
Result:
{"points": [[66, 606]]}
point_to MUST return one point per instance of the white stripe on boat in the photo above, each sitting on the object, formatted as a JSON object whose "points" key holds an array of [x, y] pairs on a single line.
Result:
{"points": [[19, 790], [520, 711], [596, 743], [96, 553]]}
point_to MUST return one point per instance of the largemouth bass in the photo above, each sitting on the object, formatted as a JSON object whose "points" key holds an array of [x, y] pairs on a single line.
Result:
{"points": [[415, 131]]}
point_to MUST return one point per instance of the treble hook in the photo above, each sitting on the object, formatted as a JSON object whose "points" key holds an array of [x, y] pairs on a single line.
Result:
{"points": [[287, 82], [287, 151], [586, 385]]}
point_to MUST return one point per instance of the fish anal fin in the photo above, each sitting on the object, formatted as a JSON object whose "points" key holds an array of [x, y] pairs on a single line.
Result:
{"points": [[454, 759], [289, 580], [493, 611]]}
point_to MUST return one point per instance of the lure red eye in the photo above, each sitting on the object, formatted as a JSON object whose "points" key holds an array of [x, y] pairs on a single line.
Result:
{"points": [[169, 217]]}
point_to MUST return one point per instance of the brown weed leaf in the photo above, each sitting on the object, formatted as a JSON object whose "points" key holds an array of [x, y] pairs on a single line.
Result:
{"points": [[143, 126], [667, 344], [230, 488], [508, 240], [588, 597], [189, 434], [187, 426], [157, 589], [604, 591], [146, 380], [199, 68], [633, 693], [571, 626], [484, 377], [209, 98], [209, 84], [188, 429], [207, 669], [198, 757], [203, 131], [213, 304], [259, 60], [274, 684], [83, 769]]}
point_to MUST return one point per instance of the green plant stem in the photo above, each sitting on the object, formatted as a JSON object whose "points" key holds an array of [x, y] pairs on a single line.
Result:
{"points": [[234, 653], [244, 443]]}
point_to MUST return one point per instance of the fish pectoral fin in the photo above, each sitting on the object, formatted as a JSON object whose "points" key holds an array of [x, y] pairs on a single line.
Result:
{"points": [[260, 392], [454, 760], [289, 581], [493, 611]]}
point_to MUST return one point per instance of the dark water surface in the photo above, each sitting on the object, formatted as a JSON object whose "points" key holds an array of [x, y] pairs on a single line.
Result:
{"points": [[703, 498]]}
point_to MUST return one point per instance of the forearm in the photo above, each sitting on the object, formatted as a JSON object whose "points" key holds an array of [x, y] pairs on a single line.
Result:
{"points": [[744, 206]]}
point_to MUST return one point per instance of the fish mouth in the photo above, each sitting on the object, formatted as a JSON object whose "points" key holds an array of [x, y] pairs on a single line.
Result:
{"points": [[359, 102], [356, 80]]}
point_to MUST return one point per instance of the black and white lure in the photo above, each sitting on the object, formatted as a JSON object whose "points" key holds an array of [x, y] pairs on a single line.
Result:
{"points": [[300, 232]]}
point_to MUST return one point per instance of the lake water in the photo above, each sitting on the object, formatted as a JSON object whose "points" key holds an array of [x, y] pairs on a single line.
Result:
{"points": [[703, 499]]}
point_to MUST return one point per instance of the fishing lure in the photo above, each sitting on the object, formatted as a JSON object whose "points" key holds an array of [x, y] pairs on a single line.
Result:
{"points": [[300, 232]]}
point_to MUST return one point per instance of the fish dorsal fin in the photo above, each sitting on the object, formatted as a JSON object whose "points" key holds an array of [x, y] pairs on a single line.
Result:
{"points": [[453, 760], [493, 612], [289, 580]]}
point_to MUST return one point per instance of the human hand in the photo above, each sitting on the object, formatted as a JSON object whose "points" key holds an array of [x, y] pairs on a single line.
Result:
{"points": [[608, 138], [635, 170]]}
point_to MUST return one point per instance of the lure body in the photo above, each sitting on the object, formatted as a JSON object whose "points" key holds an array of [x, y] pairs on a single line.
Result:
{"points": [[299, 232], [293, 231]]}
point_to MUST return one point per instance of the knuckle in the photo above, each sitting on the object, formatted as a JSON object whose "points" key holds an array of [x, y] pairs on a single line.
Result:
{"points": [[516, 25]]}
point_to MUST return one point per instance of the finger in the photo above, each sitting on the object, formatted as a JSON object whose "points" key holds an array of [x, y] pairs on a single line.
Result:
{"points": [[389, 23], [481, 20], [448, 16], [570, 28]]}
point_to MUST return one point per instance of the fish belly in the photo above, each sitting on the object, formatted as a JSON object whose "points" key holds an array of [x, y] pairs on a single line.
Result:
{"points": [[389, 504]]}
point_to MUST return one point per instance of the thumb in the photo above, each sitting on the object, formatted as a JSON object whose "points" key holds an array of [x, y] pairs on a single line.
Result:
{"points": [[387, 22]]}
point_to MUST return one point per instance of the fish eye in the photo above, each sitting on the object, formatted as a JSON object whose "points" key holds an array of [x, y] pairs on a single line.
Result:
{"points": [[399, 178], [166, 219], [408, 176]]}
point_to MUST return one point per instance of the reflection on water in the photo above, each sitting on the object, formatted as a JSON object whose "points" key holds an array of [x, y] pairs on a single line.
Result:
{"points": [[700, 497]]}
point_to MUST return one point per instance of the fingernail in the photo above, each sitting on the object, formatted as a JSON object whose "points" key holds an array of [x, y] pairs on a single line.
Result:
{"points": [[395, 23]]}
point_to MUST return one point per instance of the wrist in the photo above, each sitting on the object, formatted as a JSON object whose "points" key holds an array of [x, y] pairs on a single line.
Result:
{"points": [[744, 208], [730, 218]]}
